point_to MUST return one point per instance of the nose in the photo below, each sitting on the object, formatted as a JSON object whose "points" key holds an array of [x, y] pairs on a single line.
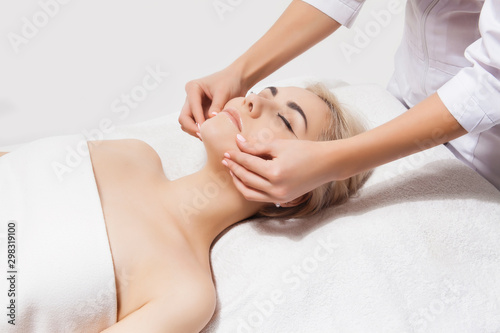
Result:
{"points": [[256, 105]]}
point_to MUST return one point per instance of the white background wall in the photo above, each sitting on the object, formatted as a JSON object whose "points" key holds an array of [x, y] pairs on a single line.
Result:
{"points": [[65, 77]]}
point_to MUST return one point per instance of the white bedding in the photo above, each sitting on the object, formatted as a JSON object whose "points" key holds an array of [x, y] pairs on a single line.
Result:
{"points": [[417, 251]]}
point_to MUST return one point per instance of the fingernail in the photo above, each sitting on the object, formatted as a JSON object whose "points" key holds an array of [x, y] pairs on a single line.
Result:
{"points": [[240, 137], [231, 173], [198, 133], [198, 126], [225, 163], [214, 113], [227, 155]]}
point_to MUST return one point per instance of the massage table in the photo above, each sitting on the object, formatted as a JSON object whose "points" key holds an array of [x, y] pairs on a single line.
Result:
{"points": [[416, 250]]}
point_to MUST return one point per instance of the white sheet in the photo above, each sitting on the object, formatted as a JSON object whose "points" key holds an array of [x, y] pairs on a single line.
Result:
{"points": [[417, 251]]}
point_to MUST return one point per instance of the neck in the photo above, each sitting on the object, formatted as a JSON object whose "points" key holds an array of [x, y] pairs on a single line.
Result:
{"points": [[205, 203]]}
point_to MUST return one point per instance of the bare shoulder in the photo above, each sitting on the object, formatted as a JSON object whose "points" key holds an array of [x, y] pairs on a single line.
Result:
{"points": [[124, 145], [133, 152]]}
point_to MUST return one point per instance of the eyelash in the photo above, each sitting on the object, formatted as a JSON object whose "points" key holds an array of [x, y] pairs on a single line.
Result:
{"points": [[286, 122]]}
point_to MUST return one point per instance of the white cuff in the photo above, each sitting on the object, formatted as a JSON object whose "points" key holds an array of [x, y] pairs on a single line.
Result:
{"points": [[473, 95], [342, 11], [473, 99]]}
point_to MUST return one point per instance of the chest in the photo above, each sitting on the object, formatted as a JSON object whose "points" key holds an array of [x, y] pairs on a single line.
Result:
{"points": [[149, 254]]}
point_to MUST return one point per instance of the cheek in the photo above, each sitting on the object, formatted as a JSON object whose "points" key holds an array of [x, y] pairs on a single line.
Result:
{"points": [[218, 134], [265, 130], [236, 102], [215, 126]]}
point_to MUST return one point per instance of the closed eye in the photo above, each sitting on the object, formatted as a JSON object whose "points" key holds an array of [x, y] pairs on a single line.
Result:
{"points": [[287, 124]]}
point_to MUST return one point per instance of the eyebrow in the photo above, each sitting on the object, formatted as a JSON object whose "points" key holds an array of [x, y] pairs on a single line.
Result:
{"points": [[274, 91], [292, 105]]}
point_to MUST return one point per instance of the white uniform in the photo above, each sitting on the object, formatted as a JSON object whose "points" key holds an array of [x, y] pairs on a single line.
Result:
{"points": [[451, 47]]}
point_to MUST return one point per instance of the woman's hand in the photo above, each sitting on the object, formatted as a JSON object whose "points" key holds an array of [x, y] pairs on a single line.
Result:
{"points": [[273, 50], [283, 170], [207, 96], [278, 171]]}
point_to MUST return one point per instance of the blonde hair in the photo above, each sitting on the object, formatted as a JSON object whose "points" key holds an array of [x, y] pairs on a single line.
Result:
{"points": [[340, 124]]}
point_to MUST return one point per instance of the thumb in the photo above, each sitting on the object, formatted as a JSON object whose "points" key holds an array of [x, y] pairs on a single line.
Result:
{"points": [[260, 149], [217, 103]]}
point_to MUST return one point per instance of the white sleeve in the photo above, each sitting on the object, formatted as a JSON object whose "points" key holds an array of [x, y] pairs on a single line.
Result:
{"points": [[342, 11], [473, 95]]}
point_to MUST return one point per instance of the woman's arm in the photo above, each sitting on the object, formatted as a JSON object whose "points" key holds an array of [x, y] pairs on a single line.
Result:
{"points": [[299, 27], [187, 309], [2, 153], [426, 125], [161, 316]]}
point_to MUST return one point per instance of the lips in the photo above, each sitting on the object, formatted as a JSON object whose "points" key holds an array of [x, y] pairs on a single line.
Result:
{"points": [[233, 116]]}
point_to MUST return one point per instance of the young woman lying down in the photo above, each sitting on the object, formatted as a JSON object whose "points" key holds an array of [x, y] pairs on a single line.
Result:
{"points": [[115, 246]]}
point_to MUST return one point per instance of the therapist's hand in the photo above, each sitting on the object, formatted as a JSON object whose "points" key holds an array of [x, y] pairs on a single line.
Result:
{"points": [[278, 171], [207, 96]]}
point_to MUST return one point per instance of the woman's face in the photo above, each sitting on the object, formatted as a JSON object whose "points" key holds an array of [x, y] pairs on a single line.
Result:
{"points": [[274, 113]]}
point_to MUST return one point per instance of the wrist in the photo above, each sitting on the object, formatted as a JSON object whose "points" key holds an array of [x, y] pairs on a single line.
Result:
{"points": [[334, 160], [248, 72]]}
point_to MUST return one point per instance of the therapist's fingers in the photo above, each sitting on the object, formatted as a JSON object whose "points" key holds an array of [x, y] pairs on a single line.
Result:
{"points": [[195, 96], [254, 157], [188, 124], [263, 150], [220, 99], [247, 177], [249, 193], [251, 163]]}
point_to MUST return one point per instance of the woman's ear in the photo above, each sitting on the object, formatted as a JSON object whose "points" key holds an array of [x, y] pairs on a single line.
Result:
{"points": [[297, 201]]}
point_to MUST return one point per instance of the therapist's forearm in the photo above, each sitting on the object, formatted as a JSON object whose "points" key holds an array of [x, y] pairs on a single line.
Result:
{"points": [[426, 125], [299, 27]]}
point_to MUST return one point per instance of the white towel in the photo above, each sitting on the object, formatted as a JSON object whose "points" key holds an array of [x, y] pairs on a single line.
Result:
{"points": [[62, 277]]}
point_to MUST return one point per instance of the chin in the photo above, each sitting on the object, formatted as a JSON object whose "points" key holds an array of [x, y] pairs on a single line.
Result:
{"points": [[219, 136]]}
